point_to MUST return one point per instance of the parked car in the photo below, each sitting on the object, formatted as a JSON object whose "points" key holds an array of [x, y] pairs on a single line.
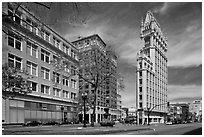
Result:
{"points": [[52, 123], [107, 123], [130, 120], [32, 123], [169, 123]]}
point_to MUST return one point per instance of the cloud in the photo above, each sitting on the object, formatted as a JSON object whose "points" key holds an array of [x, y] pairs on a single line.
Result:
{"points": [[184, 91], [166, 7], [184, 46], [185, 75]]}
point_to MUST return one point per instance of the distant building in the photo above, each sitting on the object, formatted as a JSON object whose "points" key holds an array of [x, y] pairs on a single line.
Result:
{"points": [[28, 43], [132, 111], [174, 113], [126, 111], [196, 109], [151, 72], [180, 111]]}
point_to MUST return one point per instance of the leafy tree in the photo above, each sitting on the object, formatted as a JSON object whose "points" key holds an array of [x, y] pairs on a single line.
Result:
{"points": [[14, 82]]}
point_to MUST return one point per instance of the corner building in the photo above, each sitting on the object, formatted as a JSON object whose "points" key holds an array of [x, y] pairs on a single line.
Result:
{"points": [[27, 43], [151, 73]]}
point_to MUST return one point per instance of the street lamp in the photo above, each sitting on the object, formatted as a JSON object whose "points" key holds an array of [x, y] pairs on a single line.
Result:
{"points": [[62, 109], [84, 97]]}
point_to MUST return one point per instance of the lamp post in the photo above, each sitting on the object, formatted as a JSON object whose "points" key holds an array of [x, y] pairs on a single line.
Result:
{"points": [[84, 97], [62, 109]]}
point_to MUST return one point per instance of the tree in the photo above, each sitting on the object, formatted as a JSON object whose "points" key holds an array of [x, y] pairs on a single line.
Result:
{"points": [[92, 70], [149, 110], [14, 82]]}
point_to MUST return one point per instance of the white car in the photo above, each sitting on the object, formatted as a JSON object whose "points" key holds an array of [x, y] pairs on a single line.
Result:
{"points": [[169, 123]]}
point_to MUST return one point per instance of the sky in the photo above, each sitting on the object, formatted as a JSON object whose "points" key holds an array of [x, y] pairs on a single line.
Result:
{"points": [[118, 24]]}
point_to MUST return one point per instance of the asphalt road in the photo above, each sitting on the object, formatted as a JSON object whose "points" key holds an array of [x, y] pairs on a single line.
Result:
{"points": [[119, 129], [177, 129]]}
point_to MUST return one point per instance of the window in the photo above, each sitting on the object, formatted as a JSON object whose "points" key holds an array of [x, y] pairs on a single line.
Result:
{"points": [[73, 70], [140, 65], [65, 49], [72, 53], [56, 42], [73, 83], [140, 81], [17, 16], [140, 105], [55, 58], [65, 81], [14, 40], [46, 36], [65, 94], [14, 61], [73, 95], [45, 73], [28, 24], [140, 73], [66, 69], [56, 92], [33, 85], [56, 77], [45, 56], [31, 68], [140, 96], [31, 49], [45, 89]]}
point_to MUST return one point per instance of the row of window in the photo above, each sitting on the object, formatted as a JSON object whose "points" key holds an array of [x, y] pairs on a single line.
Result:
{"points": [[32, 69], [34, 27], [43, 106], [56, 92]]}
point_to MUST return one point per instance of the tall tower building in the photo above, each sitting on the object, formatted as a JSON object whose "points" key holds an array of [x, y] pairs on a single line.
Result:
{"points": [[151, 72]]}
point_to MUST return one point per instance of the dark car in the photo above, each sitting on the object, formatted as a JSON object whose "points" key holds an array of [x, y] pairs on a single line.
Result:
{"points": [[32, 123], [107, 123], [130, 119], [52, 123]]}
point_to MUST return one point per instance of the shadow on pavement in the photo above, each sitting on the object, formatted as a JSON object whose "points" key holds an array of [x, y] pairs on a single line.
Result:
{"points": [[194, 132]]}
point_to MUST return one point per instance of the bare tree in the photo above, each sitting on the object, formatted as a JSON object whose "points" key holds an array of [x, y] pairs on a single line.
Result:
{"points": [[91, 70]]}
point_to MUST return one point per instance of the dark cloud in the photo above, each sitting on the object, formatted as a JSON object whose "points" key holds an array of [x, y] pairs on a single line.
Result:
{"points": [[185, 75], [118, 24]]}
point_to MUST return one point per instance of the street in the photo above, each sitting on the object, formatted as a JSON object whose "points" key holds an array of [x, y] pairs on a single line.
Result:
{"points": [[177, 129], [119, 129]]}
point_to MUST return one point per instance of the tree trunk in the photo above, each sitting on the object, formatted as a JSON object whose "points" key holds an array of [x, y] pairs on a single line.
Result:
{"points": [[94, 111], [94, 108]]}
